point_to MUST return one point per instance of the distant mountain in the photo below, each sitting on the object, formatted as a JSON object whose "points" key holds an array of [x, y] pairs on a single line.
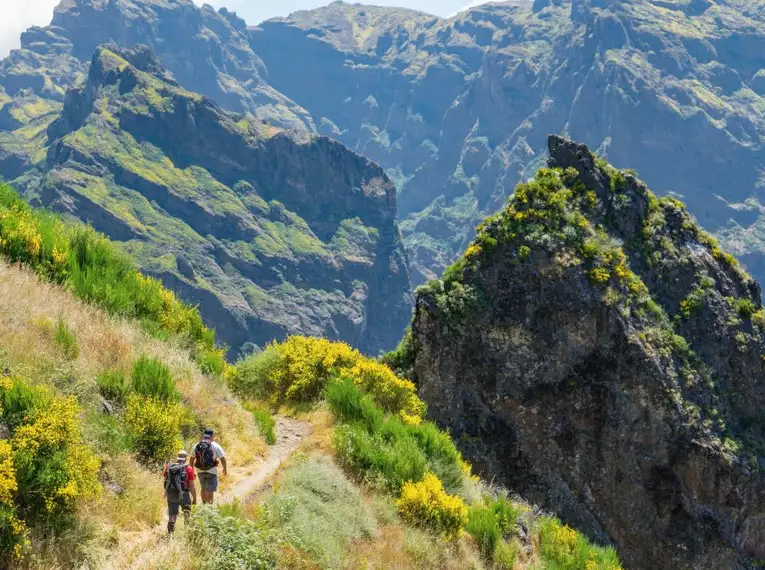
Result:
{"points": [[271, 232], [458, 111]]}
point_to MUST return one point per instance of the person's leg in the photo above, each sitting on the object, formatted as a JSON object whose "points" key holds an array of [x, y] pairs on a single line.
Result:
{"points": [[172, 512], [212, 486]]}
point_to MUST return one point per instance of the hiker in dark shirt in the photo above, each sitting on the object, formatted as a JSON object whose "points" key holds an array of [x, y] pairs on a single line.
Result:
{"points": [[180, 490]]}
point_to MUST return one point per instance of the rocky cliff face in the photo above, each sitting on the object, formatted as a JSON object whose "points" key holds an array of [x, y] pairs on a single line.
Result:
{"points": [[271, 232], [206, 50], [458, 110], [597, 352]]}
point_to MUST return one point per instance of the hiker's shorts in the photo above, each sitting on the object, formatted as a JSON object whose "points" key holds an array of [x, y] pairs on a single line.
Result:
{"points": [[208, 481], [173, 507]]}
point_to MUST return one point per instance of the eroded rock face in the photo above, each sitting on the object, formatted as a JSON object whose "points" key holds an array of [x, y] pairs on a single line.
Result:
{"points": [[271, 232], [599, 354], [460, 108]]}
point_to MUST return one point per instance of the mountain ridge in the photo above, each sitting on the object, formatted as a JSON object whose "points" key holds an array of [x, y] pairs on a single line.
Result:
{"points": [[271, 232]]}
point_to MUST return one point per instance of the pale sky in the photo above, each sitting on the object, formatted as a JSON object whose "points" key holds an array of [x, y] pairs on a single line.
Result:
{"points": [[17, 15]]}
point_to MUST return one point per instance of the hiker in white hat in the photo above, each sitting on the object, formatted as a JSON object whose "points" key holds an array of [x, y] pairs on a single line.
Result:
{"points": [[180, 490]]}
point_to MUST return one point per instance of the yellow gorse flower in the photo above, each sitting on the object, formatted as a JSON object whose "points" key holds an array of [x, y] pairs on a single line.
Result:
{"points": [[427, 504]]}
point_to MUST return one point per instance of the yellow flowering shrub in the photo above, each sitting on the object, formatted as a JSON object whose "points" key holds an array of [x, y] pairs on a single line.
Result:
{"points": [[54, 466], [45, 466], [298, 369], [391, 393], [600, 275], [13, 531], [154, 427], [427, 504], [568, 550]]}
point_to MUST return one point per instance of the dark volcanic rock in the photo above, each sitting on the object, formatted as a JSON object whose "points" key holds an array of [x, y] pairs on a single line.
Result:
{"points": [[598, 353]]}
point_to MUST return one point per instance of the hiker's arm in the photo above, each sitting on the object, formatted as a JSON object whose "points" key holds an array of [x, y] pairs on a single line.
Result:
{"points": [[223, 463], [193, 458], [193, 491]]}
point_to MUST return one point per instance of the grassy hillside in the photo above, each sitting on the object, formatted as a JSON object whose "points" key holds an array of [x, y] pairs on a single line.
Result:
{"points": [[99, 386]]}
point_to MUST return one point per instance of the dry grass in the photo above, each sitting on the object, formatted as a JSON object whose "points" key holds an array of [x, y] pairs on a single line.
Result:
{"points": [[127, 517], [398, 547]]}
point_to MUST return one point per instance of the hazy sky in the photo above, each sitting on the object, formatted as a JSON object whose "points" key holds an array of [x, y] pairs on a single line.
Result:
{"points": [[17, 15]]}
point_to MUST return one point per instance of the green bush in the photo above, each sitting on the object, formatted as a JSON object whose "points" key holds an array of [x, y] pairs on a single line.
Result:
{"points": [[380, 462], [482, 525], [66, 339], [113, 386], [491, 520], [222, 542], [386, 448], [151, 378], [266, 425], [319, 511], [20, 401], [212, 362], [250, 378]]}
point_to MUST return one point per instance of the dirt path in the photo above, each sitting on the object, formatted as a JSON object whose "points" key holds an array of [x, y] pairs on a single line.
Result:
{"points": [[289, 433], [139, 550]]}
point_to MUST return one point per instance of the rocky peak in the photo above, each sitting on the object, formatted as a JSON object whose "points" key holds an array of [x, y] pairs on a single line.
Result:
{"points": [[599, 353]]}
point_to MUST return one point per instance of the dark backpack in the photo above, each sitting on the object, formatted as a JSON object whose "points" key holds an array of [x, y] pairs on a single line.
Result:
{"points": [[176, 481], [204, 455]]}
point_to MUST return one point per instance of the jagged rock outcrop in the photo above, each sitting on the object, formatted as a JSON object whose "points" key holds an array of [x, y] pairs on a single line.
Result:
{"points": [[206, 50], [271, 232], [598, 353]]}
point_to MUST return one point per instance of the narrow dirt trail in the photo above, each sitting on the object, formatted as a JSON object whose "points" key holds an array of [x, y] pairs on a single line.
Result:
{"points": [[289, 434], [138, 549]]}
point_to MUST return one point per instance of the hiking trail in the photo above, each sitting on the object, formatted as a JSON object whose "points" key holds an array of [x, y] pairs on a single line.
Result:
{"points": [[290, 433]]}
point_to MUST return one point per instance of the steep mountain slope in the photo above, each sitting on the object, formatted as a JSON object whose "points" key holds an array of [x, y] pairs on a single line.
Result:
{"points": [[270, 232], [599, 353], [207, 51], [458, 110]]}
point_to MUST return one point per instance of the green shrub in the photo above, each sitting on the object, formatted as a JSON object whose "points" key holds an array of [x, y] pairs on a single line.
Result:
{"points": [[266, 425], [427, 504], [563, 548], [20, 401], [251, 377], [154, 427], [349, 405], [212, 361], [745, 308], [387, 448], [504, 555], [319, 511], [66, 339], [222, 542], [491, 520], [113, 386], [383, 463], [151, 378]]}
